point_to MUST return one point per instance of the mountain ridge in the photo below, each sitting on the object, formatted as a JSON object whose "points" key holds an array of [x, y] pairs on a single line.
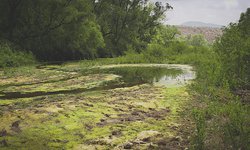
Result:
{"points": [[209, 33], [200, 24]]}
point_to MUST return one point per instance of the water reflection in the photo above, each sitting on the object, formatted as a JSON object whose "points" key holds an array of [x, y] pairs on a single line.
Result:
{"points": [[152, 75], [131, 75], [178, 80]]}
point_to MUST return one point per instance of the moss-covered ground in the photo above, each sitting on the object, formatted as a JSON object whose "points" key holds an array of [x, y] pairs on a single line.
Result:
{"points": [[136, 117]]}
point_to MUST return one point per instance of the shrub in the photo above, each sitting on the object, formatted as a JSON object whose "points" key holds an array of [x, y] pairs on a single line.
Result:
{"points": [[236, 129], [13, 58], [179, 47], [199, 118], [155, 53]]}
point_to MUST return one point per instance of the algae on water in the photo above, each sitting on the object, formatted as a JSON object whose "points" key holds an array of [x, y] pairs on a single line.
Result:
{"points": [[121, 115]]}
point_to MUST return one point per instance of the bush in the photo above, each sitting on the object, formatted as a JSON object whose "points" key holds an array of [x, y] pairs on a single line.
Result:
{"points": [[12, 58], [179, 47], [233, 48], [155, 53], [236, 128], [199, 118]]}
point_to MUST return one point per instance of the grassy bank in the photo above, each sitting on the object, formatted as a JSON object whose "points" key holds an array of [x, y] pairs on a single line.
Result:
{"points": [[220, 117], [219, 94]]}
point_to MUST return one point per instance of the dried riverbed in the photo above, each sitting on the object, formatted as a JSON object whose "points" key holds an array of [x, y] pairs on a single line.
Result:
{"points": [[102, 107]]}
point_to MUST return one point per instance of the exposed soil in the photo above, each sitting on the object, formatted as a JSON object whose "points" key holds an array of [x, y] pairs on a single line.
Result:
{"points": [[136, 115], [67, 114]]}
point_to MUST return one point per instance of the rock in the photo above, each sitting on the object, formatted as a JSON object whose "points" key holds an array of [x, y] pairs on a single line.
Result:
{"points": [[162, 142], [128, 145], [39, 105], [177, 138], [151, 109], [116, 133], [152, 146], [106, 115], [60, 141], [146, 135], [59, 106], [89, 105]]}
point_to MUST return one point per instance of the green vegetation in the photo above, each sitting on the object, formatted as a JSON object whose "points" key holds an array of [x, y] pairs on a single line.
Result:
{"points": [[102, 119], [222, 87], [10, 57], [233, 50], [88, 105], [62, 30]]}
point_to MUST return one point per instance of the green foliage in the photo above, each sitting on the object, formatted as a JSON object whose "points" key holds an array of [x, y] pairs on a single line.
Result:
{"points": [[222, 122], [233, 49], [222, 125], [155, 53], [178, 47], [125, 24], [197, 40], [236, 129], [129, 58], [244, 23], [52, 30], [199, 139], [61, 30], [219, 71], [85, 29], [12, 58], [165, 35]]}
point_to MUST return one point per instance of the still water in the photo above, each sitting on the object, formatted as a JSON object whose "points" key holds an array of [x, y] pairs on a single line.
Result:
{"points": [[129, 75], [166, 75]]}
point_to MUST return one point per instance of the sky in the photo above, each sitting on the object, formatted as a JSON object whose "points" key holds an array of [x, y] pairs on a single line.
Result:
{"points": [[220, 12]]}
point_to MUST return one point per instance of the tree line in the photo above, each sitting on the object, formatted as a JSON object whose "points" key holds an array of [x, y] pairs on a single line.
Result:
{"points": [[233, 49], [58, 30]]}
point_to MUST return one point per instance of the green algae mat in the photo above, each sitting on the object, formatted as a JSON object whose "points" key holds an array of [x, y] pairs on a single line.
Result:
{"points": [[101, 107]]}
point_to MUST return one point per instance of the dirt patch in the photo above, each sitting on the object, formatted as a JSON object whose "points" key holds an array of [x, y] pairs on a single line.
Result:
{"points": [[136, 115], [244, 95]]}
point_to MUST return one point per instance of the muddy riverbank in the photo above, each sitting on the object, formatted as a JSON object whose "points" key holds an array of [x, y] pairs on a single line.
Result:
{"points": [[118, 107]]}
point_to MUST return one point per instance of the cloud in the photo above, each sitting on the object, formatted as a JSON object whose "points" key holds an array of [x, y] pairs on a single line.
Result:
{"points": [[211, 11], [231, 4]]}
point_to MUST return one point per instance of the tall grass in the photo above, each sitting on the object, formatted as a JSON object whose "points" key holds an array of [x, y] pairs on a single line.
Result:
{"points": [[199, 139], [225, 118], [10, 57]]}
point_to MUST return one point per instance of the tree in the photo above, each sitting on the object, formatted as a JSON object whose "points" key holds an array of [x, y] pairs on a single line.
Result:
{"points": [[52, 29], [244, 23], [165, 35], [197, 40], [127, 23], [80, 29], [233, 49]]}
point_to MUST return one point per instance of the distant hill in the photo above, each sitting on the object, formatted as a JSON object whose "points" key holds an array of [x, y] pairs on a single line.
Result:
{"points": [[209, 33], [201, 24]]}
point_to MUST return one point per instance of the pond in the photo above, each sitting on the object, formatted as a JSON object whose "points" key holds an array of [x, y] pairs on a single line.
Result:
{"points": [[157, 74], [100, 107], [98, 78]]}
